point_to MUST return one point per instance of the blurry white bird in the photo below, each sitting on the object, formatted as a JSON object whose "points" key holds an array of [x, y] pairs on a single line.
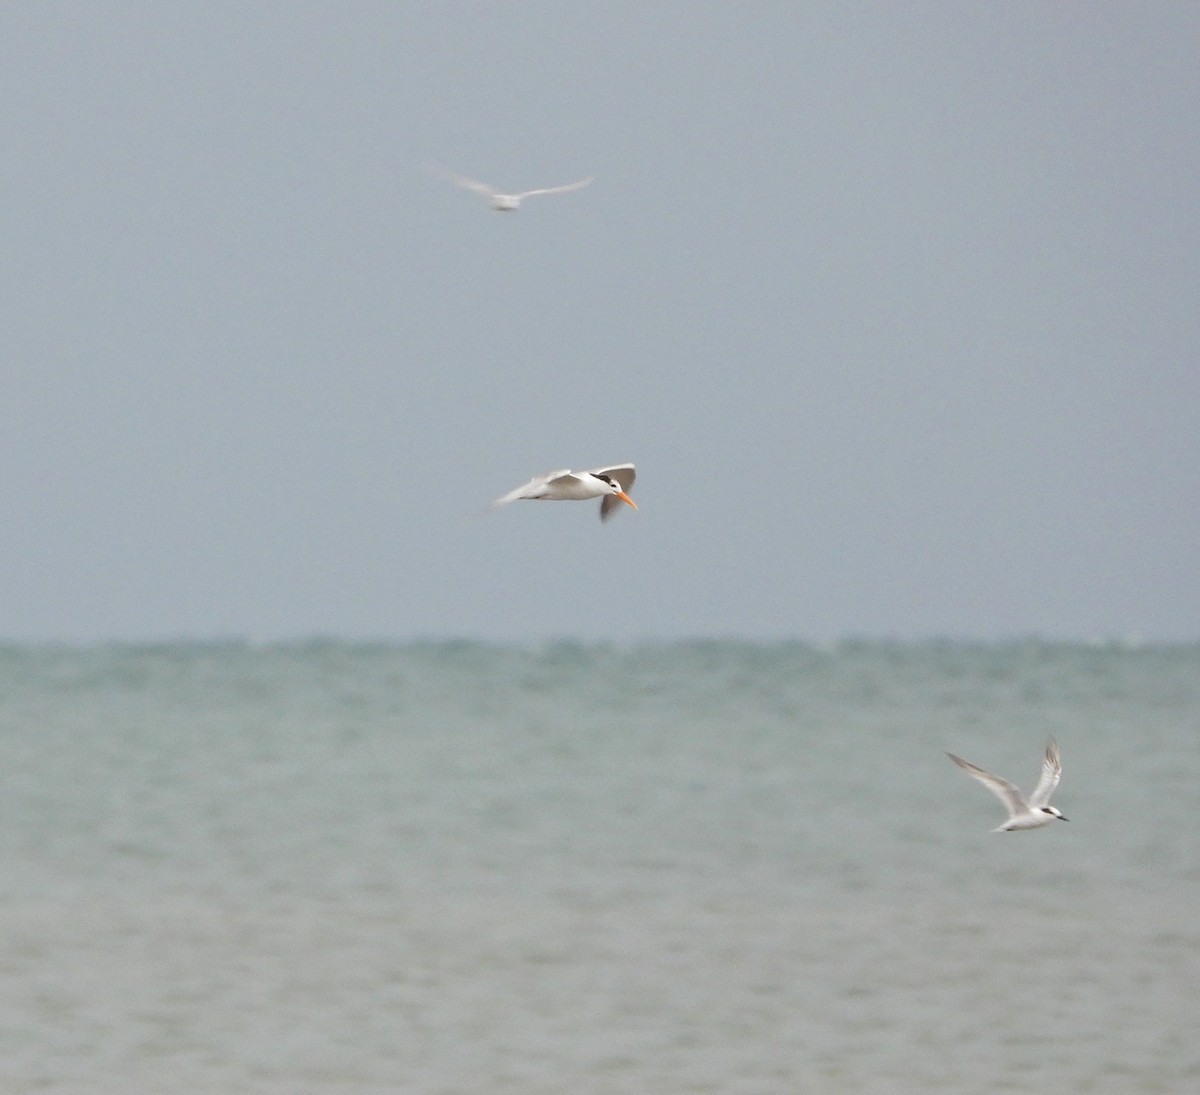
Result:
{"points": [[503, 203], [610, 484], [1031, 813]]}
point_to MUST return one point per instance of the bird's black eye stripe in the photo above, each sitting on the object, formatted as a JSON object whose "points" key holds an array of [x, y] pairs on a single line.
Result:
{"points": [[606, 479]]}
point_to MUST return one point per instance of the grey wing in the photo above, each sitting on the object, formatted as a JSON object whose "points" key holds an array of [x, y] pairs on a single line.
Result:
{"points": [[609, 505], [1051, 774], [529, 490], [1012, 798], [555, 189]]}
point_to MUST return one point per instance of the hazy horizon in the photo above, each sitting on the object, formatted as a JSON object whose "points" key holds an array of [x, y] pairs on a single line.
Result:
{"points": [[894, 308]]}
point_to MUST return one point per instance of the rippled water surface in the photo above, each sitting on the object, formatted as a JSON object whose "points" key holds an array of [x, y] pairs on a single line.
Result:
{"points": [[706, 867]]}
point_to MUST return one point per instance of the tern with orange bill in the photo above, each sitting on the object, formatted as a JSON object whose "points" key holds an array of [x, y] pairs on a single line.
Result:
{"points": [[610, 484]]}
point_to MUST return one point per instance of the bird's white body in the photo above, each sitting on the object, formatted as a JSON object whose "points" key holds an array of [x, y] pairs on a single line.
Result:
{"points": [[610, 484], [504, 203], [1023, 813]]}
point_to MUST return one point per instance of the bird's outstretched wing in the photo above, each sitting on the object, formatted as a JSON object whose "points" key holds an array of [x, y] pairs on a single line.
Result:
{"points": [[461, 180], [1012, 798], [1051, 774], [513, 495], [555, 189], [527, 490]]}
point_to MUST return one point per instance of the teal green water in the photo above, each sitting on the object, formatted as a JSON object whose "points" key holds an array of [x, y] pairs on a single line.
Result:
{"points": [[694, 867]]}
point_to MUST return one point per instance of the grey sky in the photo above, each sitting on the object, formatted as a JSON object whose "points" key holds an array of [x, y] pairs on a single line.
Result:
{"points": [[895, 307]]}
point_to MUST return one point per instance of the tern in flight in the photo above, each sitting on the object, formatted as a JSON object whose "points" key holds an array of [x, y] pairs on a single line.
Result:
{"points": [[610, 484], [1023, 813], [503, 203]]}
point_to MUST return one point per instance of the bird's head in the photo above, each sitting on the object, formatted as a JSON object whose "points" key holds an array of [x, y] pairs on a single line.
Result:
{"points": [[1054, 811], [615, 488]]}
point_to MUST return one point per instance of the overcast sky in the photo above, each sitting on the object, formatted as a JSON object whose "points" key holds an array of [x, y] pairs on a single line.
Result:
{"points": [[895, 306]]}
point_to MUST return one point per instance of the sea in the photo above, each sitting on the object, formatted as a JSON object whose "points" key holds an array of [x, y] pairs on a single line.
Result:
{"points": [[459, 868]]}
